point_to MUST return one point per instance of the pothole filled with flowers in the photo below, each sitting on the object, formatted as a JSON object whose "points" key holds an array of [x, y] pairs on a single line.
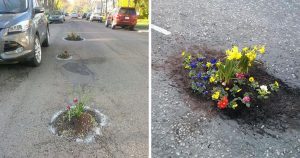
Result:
{"points": [[233, 84], [228, 80], [78, 122], [73, 37], [64, 56]]}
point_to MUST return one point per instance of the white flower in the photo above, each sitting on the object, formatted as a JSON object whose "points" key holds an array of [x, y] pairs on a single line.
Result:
{"points": [[264, 88]]}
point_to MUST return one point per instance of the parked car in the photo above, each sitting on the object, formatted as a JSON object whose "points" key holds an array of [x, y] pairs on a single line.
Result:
{"points": [[123, 16], [23, 30], [74, 15], [88, 16], [96, 17], [56, 16]]}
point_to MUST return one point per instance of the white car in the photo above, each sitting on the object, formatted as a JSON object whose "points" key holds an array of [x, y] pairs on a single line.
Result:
{"points": [[74, 15], [96, 17]]}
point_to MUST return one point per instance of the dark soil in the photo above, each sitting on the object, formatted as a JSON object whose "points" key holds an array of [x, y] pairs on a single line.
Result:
{"points": [[76, 127], [279, 112]]}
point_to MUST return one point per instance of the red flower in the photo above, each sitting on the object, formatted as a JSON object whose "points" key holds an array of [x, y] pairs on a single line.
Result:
{"points": [[75, 100], [240, 75], [68, 107], [222, 104]]}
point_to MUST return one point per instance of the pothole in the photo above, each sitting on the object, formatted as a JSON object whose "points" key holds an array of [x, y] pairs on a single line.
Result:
{"points": [[73, 37], [64, 56], [81, 39], [84, 129]]}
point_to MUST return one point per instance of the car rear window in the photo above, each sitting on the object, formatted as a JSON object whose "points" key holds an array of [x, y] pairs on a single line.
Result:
{"points": [[128, 11]]}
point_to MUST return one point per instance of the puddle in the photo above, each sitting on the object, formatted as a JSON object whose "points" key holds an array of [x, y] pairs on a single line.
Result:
{"points": [[78, 68]]}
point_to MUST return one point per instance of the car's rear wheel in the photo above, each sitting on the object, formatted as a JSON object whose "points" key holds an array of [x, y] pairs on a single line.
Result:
{"points": [[131, 28], [46, 41], [37, 51]]}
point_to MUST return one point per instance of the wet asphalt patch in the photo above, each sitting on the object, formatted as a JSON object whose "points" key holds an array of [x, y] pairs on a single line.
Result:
{"points": [[78, 68]]}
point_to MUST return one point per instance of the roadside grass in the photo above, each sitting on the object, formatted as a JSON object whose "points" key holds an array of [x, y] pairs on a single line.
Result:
{"points": [[142, 24]]}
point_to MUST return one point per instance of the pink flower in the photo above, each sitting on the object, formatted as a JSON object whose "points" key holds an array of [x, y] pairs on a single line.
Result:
{"points": [[246, 99], [240, 75], [75, 100], [68, 107]]}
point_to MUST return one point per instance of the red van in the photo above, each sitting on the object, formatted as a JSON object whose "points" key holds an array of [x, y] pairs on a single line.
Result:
{"points": [[123, 16]]}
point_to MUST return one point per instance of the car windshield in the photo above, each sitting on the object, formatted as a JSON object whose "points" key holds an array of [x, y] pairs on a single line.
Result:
{"points": [[13, 6], [129, 11], [56, 13]]}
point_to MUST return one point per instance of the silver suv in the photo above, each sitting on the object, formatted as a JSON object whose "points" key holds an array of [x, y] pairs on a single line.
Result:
{"points": [[23, 30]]}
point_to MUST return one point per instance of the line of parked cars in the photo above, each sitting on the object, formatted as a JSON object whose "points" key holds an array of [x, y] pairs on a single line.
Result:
{"points": [[93, 17]]}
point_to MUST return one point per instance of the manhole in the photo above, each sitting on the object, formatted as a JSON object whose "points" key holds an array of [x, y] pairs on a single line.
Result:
{"points": [[82, 132]]}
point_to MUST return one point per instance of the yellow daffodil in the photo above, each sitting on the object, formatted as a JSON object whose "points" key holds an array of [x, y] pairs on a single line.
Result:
{"points": [[187, 67], [226, 88], [251, 55], [216, 95], [245, 49], [276, 84], [212, 79], [233, 53], [183, 53], [189, 57], [251, 79], [208, 64], [262, 50], [255, 47], [219, 63]]}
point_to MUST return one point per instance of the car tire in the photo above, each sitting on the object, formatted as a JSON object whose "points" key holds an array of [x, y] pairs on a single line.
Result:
{"points": [[46, 41], [37, 53], [131, 28]]}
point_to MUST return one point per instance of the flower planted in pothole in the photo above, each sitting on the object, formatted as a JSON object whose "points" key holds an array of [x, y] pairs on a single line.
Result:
{"points": [[73, 37], [76, 122], [64, 55], [228, 80]]}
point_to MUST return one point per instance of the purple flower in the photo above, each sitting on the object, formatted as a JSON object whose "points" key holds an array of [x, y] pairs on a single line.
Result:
{"points": [[193, 64], [204, 65], [200, 59], [199, 75], [205, 78], [205, 92], [213, 61], [198, 84]]}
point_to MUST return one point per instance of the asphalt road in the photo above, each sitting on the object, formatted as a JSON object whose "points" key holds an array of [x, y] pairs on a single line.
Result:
{"points": [[177, 130], [111, 66]]}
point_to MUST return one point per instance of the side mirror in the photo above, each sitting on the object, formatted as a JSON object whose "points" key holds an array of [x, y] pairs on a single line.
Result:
{"points": [[39, 10]]}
